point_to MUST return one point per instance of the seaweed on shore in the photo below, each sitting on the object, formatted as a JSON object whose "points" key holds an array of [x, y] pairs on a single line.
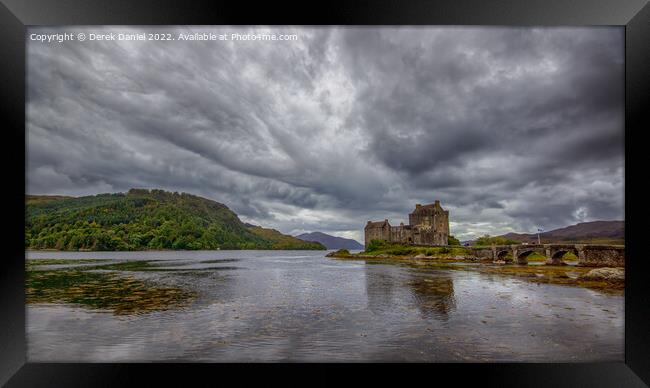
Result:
{"points": [[112, 291], [32, 263], [561, 275]]}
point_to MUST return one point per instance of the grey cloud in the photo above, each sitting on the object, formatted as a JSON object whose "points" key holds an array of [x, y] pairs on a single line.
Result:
{"points": [[509, 127]]}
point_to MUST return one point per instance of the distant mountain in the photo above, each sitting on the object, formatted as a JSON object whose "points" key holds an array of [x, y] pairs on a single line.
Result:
{"points": [[595, 232], [144, 219], [283, 241], [331, 242]]}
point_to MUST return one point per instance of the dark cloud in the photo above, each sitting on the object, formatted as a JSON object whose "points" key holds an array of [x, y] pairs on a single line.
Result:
{"points": [[511, 128]]}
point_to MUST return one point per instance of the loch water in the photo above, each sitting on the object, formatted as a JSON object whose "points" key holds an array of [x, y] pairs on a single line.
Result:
{"points": [[270, 306]]}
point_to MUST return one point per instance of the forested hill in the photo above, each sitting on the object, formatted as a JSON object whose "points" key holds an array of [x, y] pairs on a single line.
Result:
{"points": [[144, 219]]}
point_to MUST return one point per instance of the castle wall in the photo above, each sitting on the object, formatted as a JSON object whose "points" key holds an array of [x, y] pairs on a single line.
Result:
{"points": [[441, 223], [420, 218], [428, 225], [440, 238], [377, 233], [401, 234]]}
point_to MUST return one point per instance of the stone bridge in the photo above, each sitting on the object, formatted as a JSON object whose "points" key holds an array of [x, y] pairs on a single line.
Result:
{"points": [[588, 255]]}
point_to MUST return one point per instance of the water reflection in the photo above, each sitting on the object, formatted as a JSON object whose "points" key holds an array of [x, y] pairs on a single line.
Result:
{"points": [[433, 294], [302, 306], [381, 284]]}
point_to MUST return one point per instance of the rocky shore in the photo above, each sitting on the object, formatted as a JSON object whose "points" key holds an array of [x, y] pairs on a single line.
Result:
{"points": [[605, 279]]}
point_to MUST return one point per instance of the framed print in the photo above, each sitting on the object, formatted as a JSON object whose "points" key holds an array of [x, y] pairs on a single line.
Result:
{"points": [[214, 187]]}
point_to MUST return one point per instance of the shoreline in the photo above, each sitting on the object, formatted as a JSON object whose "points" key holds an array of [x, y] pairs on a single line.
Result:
{"points": [[175, 250], [569, 275]]}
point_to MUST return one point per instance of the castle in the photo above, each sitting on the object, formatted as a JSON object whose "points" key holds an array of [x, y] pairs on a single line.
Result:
{"points": [[428, 225]]}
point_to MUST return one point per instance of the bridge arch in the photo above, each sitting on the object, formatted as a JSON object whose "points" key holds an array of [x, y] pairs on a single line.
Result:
{"points": [[503, 254], [587, 255], [522, 256], [556, 254]]}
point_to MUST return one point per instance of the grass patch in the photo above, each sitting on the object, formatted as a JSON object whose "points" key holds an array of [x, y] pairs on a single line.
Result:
{"points": [[536, 257], [381, 249], [569, 256], [341, 254]]}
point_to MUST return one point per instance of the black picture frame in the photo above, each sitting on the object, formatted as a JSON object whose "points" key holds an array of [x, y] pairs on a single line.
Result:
{"points": [[15, 15]]}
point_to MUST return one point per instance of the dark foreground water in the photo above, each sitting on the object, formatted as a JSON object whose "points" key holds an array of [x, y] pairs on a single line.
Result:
{"points": [[302, 306]]}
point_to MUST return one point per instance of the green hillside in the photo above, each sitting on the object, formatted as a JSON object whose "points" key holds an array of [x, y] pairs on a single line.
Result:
{"points": [[282, 241], [143, 219]]}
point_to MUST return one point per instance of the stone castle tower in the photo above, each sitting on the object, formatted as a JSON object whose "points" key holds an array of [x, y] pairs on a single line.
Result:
{"points": [[428, 225]]}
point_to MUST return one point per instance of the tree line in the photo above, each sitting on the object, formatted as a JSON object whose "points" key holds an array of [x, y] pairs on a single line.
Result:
{"points": [[143, 219]]}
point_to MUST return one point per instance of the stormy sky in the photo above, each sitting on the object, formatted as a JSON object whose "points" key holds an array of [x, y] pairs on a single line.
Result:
{"points": [[510, 128]]}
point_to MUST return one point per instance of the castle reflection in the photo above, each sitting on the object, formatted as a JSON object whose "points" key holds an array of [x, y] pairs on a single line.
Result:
{"points": [[432, 293]]}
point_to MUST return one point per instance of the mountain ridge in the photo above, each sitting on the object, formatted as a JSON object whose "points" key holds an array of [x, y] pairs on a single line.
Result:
{"points": [[601, 231], [331, 242]]}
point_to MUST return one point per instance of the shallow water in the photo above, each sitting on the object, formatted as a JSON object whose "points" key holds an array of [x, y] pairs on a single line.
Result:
{"points": [[302, 306]]}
